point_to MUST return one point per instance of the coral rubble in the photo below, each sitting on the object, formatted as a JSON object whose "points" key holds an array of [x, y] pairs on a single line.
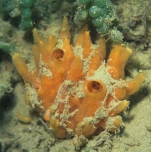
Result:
{"points": [[74, 88]]}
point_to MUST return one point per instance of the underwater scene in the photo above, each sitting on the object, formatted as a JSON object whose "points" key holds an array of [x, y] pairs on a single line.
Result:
{"points": [[75, 76]]}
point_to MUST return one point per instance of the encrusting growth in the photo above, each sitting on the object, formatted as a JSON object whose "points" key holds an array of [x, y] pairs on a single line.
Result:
{"points": [[73, 88]]}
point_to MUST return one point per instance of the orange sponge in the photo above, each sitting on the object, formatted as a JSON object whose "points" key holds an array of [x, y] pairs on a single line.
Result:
{"points": [[73, 87]]}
